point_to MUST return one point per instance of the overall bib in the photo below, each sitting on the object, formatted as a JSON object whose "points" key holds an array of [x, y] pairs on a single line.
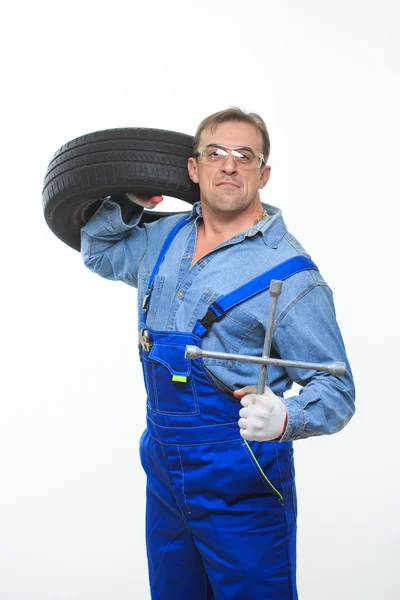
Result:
{"points": [[221, 511]]}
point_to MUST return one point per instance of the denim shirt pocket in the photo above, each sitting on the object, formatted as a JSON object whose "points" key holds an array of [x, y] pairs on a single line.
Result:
{"points": [[238, 324]]}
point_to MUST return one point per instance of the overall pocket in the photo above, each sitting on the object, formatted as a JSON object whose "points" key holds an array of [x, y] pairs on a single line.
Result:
{"points": [[261, 470], [166, 394]]}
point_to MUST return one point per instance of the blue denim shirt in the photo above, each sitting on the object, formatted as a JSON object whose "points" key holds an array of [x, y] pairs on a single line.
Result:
{"points": [[305, 327]]}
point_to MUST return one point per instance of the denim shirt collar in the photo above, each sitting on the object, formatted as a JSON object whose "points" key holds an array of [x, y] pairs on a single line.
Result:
{"points": [[272, 229]]}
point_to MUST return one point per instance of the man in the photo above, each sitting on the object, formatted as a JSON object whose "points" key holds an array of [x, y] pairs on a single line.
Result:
{"points": [[221, 503]]}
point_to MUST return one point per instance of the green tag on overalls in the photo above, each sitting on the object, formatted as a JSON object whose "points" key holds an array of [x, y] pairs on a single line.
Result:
{"points": [[180, 378]]}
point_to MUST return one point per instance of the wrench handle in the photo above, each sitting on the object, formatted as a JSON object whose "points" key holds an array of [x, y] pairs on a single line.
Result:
{"points": [[275, 290]]}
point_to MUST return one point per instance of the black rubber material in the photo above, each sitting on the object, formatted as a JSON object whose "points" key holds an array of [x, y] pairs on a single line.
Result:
{"points": [[111, 163]]}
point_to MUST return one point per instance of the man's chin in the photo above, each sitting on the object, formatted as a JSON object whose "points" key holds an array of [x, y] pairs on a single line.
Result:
{"points": [[229, 194], [227, 204]]}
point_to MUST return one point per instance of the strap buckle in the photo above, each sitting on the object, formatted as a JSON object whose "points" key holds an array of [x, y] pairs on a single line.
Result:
{"points": [[146, 299], [214, 313]]}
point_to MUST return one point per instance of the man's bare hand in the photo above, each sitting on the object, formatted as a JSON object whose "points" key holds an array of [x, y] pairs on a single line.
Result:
{"points": [[145, 201]]}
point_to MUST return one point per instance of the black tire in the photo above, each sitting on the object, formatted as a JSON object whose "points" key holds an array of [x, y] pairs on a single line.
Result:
{"points": [[111, 163]]}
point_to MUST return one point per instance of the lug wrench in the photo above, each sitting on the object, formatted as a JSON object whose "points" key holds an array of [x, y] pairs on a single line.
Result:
{"points": [[275, 290], [333, 368]]}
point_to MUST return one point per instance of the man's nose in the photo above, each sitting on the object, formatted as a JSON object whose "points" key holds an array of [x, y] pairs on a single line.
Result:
{"points": [[229, 166]]}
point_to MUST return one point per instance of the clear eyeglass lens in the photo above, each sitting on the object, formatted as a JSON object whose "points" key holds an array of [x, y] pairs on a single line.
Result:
{"points": [[214, 154]]}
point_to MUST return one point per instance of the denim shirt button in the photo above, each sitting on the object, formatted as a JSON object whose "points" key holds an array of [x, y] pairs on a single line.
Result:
{"points": [[180, 294]]}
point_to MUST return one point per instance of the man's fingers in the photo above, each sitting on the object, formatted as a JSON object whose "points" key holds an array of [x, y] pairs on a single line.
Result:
{"points": [[248, 389], [248, 400], [244, 412], [144, 200], [245, 434], [152, 199], [242, 424]]}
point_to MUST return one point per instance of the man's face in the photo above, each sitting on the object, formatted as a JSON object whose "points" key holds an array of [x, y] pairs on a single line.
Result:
{"points": [[227, 186]]}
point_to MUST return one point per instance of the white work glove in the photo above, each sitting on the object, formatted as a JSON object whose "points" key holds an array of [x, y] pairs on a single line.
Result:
{"points": [[144, 201], [263, 416]]}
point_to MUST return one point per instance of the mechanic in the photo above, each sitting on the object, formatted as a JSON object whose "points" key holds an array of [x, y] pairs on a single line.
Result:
{"points": [[221, 501]]}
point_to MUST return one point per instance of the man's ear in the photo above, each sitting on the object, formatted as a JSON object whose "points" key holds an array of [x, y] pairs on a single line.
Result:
{"points": [[192, 169], [264, 176]]}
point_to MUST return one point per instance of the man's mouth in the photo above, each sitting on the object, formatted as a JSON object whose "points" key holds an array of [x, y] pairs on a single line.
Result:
{"points": [[229, 183]]}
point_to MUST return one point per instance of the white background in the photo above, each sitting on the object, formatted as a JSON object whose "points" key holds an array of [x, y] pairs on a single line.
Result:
{"points": [[324, 75]]}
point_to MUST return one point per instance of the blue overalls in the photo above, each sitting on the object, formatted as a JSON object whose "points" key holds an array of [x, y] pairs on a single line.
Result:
{"points": [[221, 511]]}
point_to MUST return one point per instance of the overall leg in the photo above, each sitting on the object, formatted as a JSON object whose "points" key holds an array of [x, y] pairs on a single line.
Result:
{"points": [[176, 570], [244, 530]]}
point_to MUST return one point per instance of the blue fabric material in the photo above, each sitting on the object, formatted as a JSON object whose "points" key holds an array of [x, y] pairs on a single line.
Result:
{"points": [[221, 513], [283, 271], [163, 351], [182, 292], [209, 507], [164, 249], [215, 529], [259, 284]]}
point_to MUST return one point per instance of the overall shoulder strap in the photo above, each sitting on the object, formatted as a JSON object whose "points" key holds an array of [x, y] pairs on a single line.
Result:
{"points": [[259, 284], [168, 241]]}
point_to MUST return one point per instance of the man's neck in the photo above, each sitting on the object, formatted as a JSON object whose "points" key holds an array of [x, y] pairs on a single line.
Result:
{"points": [[218, 225]]}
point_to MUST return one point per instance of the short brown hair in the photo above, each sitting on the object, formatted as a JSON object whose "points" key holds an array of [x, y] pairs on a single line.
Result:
{"points": [[234, 114]]}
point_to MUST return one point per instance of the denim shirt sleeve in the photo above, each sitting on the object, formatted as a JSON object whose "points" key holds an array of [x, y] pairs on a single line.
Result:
{"points": [[112, 248], [326, 402]]}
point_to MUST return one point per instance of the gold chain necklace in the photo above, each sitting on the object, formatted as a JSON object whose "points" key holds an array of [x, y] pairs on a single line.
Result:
{"points": [[264, 215]]}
